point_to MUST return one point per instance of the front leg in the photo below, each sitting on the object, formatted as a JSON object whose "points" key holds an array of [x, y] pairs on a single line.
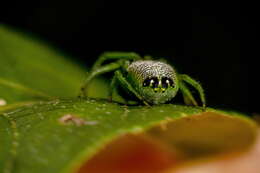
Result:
{"points": [[196, 85], [127, 85], [115, 56], [187, 95], [101, 70], [112, 87]]}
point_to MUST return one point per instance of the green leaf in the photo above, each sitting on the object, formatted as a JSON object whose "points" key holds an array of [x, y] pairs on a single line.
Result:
{"points": [[41, 137], [31, 70]]}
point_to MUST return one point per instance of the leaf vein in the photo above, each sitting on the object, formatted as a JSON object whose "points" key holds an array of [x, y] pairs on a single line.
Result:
{"points": [[23, 88]]}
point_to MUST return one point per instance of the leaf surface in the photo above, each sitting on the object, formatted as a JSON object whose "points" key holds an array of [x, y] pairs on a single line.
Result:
{"points": [[30, 70], [39, 137]]}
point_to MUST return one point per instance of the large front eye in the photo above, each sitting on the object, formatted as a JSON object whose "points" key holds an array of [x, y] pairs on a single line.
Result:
{"points": [[152, 82], [167, 82]]}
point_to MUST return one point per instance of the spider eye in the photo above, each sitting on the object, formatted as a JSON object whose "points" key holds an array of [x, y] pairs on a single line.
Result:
{"points": [[167, 82], [152, 82]]}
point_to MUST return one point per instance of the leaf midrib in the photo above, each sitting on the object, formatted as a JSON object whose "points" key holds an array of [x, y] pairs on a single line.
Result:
{"points": [[20, 87]]}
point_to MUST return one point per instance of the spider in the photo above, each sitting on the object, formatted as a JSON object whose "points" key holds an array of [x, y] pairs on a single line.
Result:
{"points": [[149, 81]]}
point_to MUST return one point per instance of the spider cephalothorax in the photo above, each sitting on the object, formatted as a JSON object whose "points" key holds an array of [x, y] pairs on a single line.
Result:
{"points": [[155, 80], [150, 81]]}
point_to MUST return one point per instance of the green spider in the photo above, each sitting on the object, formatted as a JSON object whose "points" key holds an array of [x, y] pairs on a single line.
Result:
{"points": [[151, 82]]}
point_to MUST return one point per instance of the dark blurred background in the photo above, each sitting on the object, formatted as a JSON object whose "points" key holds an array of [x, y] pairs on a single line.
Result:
{"points": [[211, 41]]}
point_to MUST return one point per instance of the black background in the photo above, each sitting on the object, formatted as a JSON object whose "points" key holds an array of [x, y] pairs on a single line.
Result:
{"points": [[211, 41]]}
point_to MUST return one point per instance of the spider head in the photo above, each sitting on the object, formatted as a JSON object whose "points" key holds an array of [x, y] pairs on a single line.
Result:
{"points": [[158, 84]]}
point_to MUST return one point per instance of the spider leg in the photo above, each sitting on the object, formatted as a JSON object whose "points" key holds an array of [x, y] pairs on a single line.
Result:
{"points": [[93, 73], [187, 96], [113, 85], [196, 85], [127, 85], [115, 56]]}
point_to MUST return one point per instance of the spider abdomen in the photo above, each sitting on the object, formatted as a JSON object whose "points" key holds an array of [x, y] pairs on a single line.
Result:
{"points": [[147, 68]]}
